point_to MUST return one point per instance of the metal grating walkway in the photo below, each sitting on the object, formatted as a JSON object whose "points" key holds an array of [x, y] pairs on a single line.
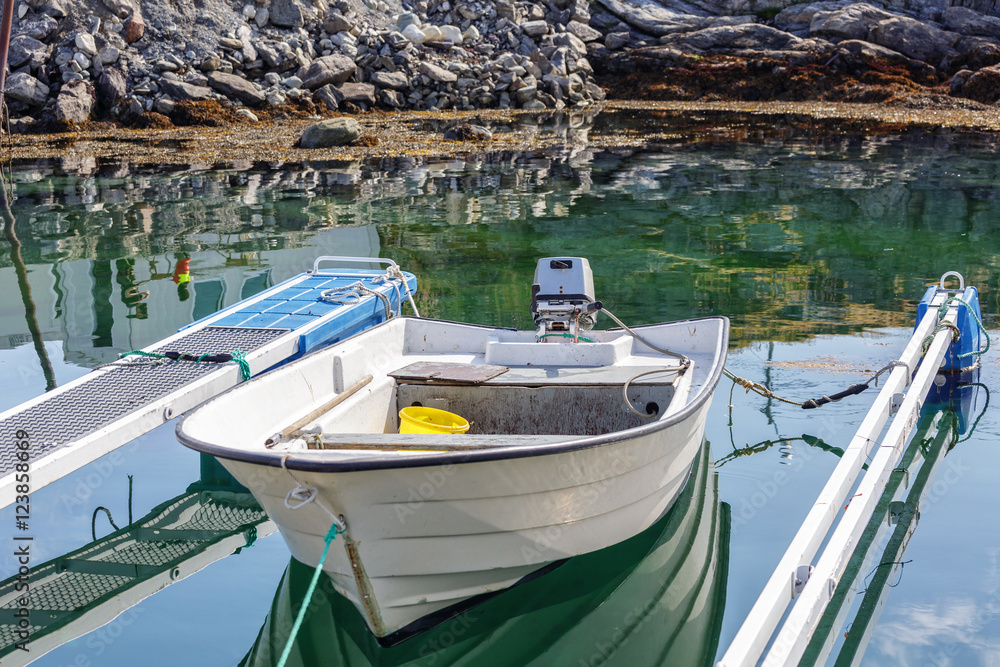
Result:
{"points": [[89, 417], [118, 390]]}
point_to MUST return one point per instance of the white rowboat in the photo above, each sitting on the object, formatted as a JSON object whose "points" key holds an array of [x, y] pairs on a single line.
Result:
{"points": [[557, 463]]}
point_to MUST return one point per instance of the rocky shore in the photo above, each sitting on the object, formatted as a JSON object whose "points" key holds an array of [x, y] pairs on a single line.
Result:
{"points": [[157, 63]]}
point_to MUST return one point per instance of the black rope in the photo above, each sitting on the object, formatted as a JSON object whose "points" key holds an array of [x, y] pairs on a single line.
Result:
{"points": [[93, 521], [900, 563]]}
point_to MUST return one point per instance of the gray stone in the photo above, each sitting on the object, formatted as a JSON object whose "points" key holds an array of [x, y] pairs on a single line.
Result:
{"points": [[211, 64], [85, 42], [27, 89], [230, 43], [329, 97], [969, 22], [337, 23], [108, 55], [356, 93], [39, 26], [390, 80], [405, 19], [438, 74], [571, 41], [751, 36], [333, 132], [584, 32], [25, 50], [391, 99], [915, 39], [535, 28], [852, 22], [617, 40], [181, 90], [75, 102], [236, 87], [287, 14], [164, 105], [654, 19], [333, 69]]}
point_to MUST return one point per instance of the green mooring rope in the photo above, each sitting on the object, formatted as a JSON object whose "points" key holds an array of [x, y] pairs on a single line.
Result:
{"points": [[942, 311], [565, 335], [236, 356], [331, 535]]}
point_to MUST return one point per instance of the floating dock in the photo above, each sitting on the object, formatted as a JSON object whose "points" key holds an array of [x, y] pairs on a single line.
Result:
{"points": [[71, 426], [944, 337]]}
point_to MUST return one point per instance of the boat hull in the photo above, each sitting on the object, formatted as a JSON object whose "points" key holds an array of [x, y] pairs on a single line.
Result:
{"points": [[424, 539]]}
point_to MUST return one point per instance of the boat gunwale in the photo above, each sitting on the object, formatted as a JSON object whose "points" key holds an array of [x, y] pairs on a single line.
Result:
{"points": [[290, 460]]}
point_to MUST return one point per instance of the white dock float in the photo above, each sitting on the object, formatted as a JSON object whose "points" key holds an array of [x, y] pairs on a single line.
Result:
{"points": [[795, 575], [73, 425]]}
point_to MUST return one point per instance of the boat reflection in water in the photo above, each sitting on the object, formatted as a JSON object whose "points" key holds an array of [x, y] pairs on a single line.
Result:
{"points": [[655, 599]]}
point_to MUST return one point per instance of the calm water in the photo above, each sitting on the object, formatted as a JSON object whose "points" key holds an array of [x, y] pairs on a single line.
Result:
{"points": [[817, 248]]}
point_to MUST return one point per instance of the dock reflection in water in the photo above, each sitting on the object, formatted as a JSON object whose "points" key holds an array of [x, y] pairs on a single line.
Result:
{"points": [[656, 599]]}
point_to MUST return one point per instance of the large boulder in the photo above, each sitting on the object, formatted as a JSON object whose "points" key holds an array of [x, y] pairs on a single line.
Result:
{"points": [[969, 22], [390, 80], [439, 74], [235, 87], [27, 89], [335, 69], [653, 18], [851, 22], [26, 50], [287, 14], [752, 36], [110, 87], [915, 39], [333, 132], [75, 102], [182, 90], [982, 86]]}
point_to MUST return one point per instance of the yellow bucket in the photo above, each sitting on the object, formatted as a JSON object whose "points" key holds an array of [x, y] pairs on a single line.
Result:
{"points": [[416, 419]]}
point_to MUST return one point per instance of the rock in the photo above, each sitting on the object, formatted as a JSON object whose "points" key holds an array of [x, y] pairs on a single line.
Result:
{"points": [[852, 22], [450, 33], [108, 55], [432, 33], [286, 14], [236, 87], [249, 115], [329, 97], [391, 99], [181, 90], [751, 36], [333, 132], [75, 102], [337, 23], [135, 28], [584, 32], [211, 64], [26, 50], [468, 132], [230, 43], [616, 40], [413, 33], [471, 34], [39, 26], [915, 39], [27, 89], [571, 41], [85, 42], [982, 86], [333, 69], [438, 74], [652, 18], [356, 93], [110, 88], [390, 80], [535, 28], [21, 125], [969, 22], [262, 16], [406, 19]]}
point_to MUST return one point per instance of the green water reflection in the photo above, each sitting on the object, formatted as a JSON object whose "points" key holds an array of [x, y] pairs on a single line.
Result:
{"points": [[814, 246]]}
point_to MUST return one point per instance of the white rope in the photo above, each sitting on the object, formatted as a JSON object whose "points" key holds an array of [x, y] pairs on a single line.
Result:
{"points": [[349, 294]]}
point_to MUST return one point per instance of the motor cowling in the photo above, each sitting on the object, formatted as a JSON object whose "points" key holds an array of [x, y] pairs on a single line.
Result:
{"points": [[562, 296]]}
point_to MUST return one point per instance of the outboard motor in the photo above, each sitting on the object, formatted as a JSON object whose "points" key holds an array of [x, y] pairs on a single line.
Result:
{"points": [[562, 297]]}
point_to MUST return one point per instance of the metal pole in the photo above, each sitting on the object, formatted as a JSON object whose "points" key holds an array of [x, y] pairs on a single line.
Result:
{"points": [[5, 25]]}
